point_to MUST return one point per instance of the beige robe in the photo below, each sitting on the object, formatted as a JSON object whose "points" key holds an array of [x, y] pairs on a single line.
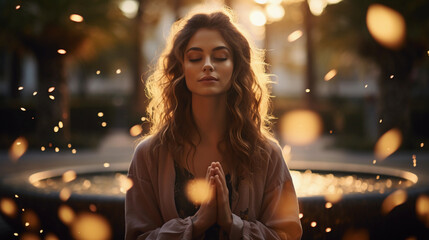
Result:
{"points": [[266, 210]]}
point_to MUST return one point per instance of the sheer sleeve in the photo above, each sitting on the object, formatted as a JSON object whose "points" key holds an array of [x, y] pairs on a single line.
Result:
{"points": [[143, 218], [278, 217]]}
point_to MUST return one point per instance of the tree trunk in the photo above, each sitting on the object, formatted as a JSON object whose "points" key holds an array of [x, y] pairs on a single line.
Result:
{"points": [[51, 73]]}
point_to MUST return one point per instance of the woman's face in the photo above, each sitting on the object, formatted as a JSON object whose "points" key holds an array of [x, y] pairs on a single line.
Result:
{"points": [[208, 64]]}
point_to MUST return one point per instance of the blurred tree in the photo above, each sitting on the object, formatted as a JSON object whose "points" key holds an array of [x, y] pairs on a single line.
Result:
{"points": [[42, 28], [342, 27]]}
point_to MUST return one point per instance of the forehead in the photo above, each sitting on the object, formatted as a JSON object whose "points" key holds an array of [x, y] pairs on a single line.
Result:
{"points": [[206, 39]]}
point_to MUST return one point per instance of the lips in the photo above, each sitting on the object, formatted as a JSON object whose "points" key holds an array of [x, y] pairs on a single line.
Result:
{"points": [[207, 79]]}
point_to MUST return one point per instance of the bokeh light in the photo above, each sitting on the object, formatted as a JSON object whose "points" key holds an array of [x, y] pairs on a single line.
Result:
{"points": [[331, 74], [295, 35], [257, 18], [275, 12], [198, 191], [388, 143], [422, 209], [90, 226], [300, 127], [129, 8], [393, 200], [8, 207], [69, 176], [18, 148], [66, 214], [386, 26], [136, 130], [76, 18]]}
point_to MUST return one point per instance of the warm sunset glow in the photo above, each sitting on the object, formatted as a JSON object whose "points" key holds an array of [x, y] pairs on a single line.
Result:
{"points": [[18, 148], [300, 127], [294, 36], [136, 130], [393, 200], [8, 207], [198, 191], [90, 226], [388, 143], [76, 18], [332, 73], [257, 18], [66, 214], [386, 26]]}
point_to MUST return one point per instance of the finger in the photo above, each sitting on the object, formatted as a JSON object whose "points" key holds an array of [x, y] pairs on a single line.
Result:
{"points": [[221, 168], [208, 173], [219, 173]]}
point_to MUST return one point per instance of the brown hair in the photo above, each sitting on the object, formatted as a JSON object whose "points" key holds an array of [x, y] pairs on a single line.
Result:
{"points": [[169, 109]]}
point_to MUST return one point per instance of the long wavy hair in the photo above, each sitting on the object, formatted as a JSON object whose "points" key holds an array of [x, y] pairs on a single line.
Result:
{"points": [[169, 109]]}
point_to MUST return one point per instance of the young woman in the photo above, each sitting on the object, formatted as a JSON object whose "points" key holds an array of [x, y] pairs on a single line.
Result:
{"points": [[208, 110]]}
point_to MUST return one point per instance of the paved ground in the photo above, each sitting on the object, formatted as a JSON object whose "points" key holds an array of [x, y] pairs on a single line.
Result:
{"points": [[118, 147]]}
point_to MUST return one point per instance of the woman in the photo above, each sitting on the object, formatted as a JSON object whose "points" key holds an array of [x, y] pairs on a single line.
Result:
{"points": [[208, 109]]}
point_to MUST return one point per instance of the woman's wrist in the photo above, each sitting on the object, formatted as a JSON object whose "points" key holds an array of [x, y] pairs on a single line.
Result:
{"points": [[198, 228], [226, 227]]}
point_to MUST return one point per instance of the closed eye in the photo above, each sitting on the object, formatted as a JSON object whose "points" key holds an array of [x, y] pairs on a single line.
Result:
{"points": [[195, 60]]}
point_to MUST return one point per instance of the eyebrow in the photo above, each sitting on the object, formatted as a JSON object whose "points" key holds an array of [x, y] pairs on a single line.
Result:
{"points": [[214, 49]]}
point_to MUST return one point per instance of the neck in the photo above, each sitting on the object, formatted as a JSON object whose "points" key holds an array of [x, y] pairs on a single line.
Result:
{"points": [[210, 117]]}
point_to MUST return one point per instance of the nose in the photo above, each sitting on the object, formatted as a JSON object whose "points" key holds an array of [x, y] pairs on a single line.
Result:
{"points": [[208, 66]]}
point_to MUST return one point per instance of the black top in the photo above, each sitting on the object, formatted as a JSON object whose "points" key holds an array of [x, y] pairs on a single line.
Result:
{"points": [[185, 207]]}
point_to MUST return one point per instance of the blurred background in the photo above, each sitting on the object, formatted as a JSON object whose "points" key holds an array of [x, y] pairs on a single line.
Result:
{"points": [[351, 78], [71, 71]]}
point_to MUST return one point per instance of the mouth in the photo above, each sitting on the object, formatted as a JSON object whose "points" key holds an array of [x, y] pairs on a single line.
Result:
{"points": [[207, 79]]}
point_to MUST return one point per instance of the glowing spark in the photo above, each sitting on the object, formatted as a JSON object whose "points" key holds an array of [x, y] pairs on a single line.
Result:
{"points": [[62, 51], [301, 215], [60, 124], [391, 76], [73, 151], [294, 36], [98, 72], [428, 52], [76, 18], [42, 148], [143, 119], [386, 26], [422, 145], [69, 145], [35, 93], [366, 85], [56, 129], [328, 230], [388, 143], [18, 7], [414, 160], [23, 109], [393, 200], [65, 194], [66, 214], [41, 231], [27, 224], [198, 191], [57, 149], [377, 177], [16, 234], [51, 97], [20, 88], [106, 165], [100, 114], [16, 196], [18, 148], [51, 89], [103, 124], [257, 18], [307, 90], [300, 127], [90, 226], [313, 224], [374, 161], [328, 205], [8, 207], [118, 71], [69, 176], [330, 74], [136, 130], [380, 121], [330, 131]]}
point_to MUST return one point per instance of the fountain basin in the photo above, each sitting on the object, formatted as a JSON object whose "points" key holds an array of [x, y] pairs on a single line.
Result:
{"points": [[57, 202]]}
